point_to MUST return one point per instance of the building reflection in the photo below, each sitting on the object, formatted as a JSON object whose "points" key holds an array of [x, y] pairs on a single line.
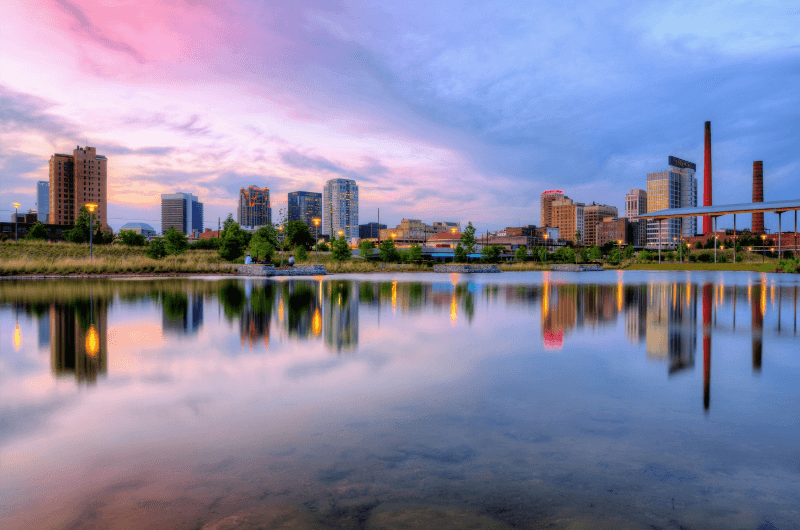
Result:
{"points": [[79, 339], [671, 329], [182, 313], [340, 315]]}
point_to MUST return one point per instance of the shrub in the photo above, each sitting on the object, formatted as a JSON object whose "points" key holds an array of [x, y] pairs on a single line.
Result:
{"points": [[739, 259], [323, 247], [645, 255], [722, 259], [156, 249], [341, 251], [704, 257], [175, 242], [693, 258], [132, 239], [301, 254]]}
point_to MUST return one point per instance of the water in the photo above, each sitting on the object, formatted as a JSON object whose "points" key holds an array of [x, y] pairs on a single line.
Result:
{"points": [[519, 400]]}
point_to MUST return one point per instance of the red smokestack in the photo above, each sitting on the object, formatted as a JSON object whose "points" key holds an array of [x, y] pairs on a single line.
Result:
{"points": [[758, 196], [707, 180]]}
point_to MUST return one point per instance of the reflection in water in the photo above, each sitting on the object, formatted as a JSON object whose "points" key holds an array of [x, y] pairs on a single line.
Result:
{"points": [[78, 338]]}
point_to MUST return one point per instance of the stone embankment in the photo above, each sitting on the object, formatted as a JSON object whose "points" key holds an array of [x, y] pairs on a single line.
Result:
{"points": [[576, 268], [270, 270], [465, 268]]}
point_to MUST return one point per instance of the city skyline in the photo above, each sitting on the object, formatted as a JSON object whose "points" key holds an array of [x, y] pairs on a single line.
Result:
{"points": [[432, 119]]}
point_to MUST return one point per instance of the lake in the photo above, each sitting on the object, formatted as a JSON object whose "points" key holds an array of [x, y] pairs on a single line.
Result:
{"points": [[515, 400]]}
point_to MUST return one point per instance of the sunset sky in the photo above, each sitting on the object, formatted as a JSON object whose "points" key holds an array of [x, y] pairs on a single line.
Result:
{"points": [[439, 110]]}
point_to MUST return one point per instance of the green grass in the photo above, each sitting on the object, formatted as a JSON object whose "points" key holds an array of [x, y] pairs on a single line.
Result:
{"points": [[676, 266]]}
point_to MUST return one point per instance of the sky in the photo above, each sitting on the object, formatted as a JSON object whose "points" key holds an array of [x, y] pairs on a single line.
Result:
{"points": [[456, 111]]}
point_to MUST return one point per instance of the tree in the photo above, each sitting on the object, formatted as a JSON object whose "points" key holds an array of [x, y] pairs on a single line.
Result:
{"points": [[261, 247], [414, 254], [341, 251], [468, 238], [131, 238], [388, 252], [175, 242], [37, 231], [629, 252], [614, 256], [301, 254], [645, 255], [595, 254], [491, 253], [460, 254], [565, 254], [366, 248], [80, 232], [298, 235], [233, 240], [521, 254], [323, 247], [209, 243], [577, 238], [156, 249]]}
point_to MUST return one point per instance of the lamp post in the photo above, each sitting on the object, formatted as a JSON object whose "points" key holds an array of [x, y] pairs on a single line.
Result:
{"points": [[16, 206], [619, 253], [763, 248], [280, 230], [317, 220], [545, 248], [91, 207]]}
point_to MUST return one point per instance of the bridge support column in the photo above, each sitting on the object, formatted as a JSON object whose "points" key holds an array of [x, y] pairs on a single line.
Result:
{"points": [[660, 237], [715, 239], [734, 240], [780, 233]]}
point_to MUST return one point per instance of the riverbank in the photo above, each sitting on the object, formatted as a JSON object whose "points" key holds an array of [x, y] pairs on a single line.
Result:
{"points": [[744, 267]]}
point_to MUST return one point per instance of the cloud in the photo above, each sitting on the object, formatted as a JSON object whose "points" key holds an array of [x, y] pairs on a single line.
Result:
{"points": [[21, 112], [372, 171]]}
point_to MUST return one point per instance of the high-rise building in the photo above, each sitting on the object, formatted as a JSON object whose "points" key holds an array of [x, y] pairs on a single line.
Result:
{"points": [[254, 207], [757, 226], [183, 212], [675, 187], [594, 214], [340, 208], [76, 180], [635, 205], [568, 216], [43, 201], [305, 206], [370, 230], [547, 198]]}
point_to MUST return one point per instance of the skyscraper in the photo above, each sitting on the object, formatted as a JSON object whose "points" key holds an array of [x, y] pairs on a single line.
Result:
{"points": [[547, 198], [76, 180], [305, 206], [593, 215], [675, 187], [254, 207], [43, 201], [340, 208], [636, 204], [568, 216], [183, 212]]}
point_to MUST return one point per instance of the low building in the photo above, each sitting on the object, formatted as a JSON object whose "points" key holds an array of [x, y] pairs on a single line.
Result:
{"points": [[210, 234], [54, 232], [370, 230], [140, 228], [28, 218], [444, 240], [613, 230]]}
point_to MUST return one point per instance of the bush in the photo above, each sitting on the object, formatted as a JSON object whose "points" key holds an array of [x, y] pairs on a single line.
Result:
{"points": [[156, 249], [211, 243], [704, 257], [175, 242], [739, 259], [697, 245], [645, 255], [341, 251], [37, 231], [366, 248], [323, 247], [132, 239], [693, 258], [301, 254], [722, 259], [788, 265]]}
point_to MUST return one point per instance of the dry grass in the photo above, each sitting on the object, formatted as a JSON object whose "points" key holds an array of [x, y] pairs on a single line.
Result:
{"points": [[66, 259]]}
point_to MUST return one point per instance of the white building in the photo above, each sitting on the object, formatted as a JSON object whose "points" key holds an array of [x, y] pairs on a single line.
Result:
{"points": [[675, 187], [340, 208]]}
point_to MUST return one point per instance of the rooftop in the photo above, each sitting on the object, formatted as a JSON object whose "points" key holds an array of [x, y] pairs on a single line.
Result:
{"points": [[724, 209]]}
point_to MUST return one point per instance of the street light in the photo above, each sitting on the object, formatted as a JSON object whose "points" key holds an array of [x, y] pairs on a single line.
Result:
{"points": [[545, 248], [619, 255], [280, 229], [763, 248], [91, 207], [317, 221], [16, 206]]}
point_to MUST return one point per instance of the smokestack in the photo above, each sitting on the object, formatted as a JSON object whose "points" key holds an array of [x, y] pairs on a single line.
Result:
{"points": [[758, 196], [707, 179]]}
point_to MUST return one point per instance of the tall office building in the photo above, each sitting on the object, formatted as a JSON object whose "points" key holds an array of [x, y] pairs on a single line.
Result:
{"points": [[254, 207], [635, 205], [183, 212], [305, 206], [340, 208], [568, 216], [675, 187], [547, 198], [43, 201], [593, 215], [76, 180]]}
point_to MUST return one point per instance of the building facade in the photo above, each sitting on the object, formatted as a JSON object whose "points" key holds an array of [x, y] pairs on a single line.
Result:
{"points": [[76, 180], [547, 198], [593, 215], [446, 226], [183, 212], [340, 208], [675, 187], [254, 208], [370, 230], [43, 201], [635, 205], [613, 230], [568, 216], [140, 228], [305, 206]]}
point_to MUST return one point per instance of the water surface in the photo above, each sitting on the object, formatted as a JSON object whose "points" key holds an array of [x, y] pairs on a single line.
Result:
{"points": [[519, 400]]}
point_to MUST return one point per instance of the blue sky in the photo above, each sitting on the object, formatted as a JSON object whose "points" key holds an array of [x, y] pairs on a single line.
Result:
{"points": [[453, 111]]}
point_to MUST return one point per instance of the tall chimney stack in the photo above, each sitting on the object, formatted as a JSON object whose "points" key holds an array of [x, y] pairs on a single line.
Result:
{"points": [[758, 196], [707, 180]]}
